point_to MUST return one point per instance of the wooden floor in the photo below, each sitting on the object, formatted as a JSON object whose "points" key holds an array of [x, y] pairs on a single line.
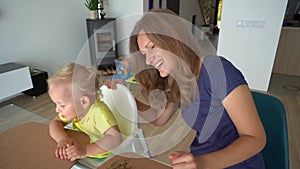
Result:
{"points": [[43, 105], [292, 106]]}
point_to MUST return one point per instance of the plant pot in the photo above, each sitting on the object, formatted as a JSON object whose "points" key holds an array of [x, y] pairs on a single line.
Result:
{"points": [[93, 14]]}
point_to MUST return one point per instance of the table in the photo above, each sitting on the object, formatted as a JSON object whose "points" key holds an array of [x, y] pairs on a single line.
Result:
{"points": [[29, 145], [25, 141]]}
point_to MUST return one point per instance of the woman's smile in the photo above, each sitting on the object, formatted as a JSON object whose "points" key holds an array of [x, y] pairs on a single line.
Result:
{"points": [[158, 64]]}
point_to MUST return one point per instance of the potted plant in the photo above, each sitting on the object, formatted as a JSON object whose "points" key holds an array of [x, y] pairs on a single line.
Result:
{"points": [[92, 5], [205, 9]]}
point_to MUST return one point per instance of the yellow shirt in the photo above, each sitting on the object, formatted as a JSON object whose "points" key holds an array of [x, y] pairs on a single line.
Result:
{"points": [[97, 120]]}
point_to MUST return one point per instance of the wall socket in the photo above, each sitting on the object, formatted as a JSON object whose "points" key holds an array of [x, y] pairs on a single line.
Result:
{"points": [[250, 24]]}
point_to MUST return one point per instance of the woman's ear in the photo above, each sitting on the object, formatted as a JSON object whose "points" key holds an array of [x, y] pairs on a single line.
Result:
{"points": [[85, 101]]}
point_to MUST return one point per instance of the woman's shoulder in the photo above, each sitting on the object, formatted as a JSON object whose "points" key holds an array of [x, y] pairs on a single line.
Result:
{"points": [[213, 59], [220, 73], [214, 63]]}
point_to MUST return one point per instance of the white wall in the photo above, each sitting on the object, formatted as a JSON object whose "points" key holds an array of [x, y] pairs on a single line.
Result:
{"points": [[127, 13], [47, 34], [251, 47], [127, 17], [42, 34]]}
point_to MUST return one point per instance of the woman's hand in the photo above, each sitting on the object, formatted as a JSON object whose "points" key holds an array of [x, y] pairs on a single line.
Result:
{"points": [[112, 83], [61, 148], [185, 160]]}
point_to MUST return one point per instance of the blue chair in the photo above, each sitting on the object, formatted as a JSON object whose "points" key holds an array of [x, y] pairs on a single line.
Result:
{"points": [[272, 113]]}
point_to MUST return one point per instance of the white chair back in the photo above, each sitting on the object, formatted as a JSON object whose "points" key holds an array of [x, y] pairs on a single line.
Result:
{"points": [[121, 102]]}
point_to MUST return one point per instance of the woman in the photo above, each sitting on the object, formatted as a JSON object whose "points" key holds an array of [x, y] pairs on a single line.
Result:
{"points": [[214, 98]]}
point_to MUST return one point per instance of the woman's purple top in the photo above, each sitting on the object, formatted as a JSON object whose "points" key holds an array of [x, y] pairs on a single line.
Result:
{"points": [[214, 128]]}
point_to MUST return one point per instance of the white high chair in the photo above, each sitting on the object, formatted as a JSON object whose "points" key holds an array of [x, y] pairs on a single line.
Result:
{"points": [[122, 103]]}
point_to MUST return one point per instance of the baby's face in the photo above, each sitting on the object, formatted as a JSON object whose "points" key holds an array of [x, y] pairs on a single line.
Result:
{"points": [[61, 95]]}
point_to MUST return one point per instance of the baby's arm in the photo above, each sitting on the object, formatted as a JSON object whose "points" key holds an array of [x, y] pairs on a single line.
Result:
{"points": [[57, 132], [111, 139]]}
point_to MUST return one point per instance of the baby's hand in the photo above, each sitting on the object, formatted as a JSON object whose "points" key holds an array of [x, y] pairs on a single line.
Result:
{"points": [[76, 151], [112, 83], [62, 145]]}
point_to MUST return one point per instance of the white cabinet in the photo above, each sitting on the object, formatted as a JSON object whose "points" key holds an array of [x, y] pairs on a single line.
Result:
{"points": [[14, 78]]}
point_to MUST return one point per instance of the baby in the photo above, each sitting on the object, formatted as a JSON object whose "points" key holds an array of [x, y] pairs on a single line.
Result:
{"points": [[75, 91]]}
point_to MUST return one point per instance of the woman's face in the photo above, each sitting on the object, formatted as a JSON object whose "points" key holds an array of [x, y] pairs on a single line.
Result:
{"points": [[159, 58]]}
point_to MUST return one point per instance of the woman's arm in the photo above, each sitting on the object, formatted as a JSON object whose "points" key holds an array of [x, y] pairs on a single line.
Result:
{"points": [[252, 139]]}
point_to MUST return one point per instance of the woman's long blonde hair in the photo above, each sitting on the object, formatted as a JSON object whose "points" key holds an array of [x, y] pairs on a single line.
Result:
{"points": [[164, 28]]}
